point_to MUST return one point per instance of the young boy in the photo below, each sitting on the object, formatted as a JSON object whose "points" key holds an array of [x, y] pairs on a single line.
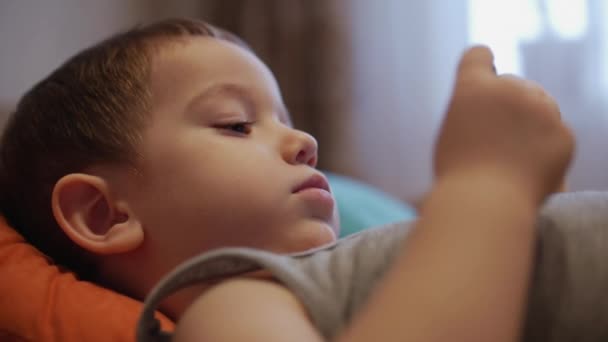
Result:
{"points": [[172, 140]]}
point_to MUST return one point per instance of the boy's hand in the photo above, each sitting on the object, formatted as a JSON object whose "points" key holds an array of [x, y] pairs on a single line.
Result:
{"points": [[503, 127]]}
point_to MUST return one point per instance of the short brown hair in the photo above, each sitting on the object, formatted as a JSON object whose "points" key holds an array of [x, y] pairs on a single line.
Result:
{"points": [[89, 111]]}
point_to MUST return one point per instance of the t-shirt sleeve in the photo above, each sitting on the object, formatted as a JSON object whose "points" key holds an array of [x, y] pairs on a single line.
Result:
{"points": [[331, 281], [568, 298]]}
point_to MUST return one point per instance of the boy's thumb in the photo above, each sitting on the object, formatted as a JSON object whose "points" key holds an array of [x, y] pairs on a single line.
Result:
{"points": [[477, 59]]}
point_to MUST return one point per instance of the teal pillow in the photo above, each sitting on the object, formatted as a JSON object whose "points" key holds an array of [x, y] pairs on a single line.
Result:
{"points": [[362, 206]]}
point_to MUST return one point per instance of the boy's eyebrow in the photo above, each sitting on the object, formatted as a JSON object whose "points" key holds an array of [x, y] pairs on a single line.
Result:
{"points": [[242, 93], [224, 88]]}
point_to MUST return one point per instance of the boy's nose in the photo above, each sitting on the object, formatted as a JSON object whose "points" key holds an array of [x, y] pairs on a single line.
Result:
{"points": [[300, 148]]}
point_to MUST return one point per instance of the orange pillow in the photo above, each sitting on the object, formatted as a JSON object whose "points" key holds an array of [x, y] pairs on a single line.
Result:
{"points": [[40, 302]]}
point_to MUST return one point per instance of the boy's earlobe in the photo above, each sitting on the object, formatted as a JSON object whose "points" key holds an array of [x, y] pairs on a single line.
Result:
{"points": [[84, 208]]}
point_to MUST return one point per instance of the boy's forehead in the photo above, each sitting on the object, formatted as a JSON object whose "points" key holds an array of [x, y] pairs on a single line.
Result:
{"points": [[194, 63], [207, 58], [184, 54]]}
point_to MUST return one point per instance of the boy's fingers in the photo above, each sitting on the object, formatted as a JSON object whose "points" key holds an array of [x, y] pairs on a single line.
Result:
{"points": [[477, 59]]}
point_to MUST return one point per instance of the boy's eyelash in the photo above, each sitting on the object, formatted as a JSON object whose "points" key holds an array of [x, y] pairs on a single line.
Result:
{"points": [[237, 127]]}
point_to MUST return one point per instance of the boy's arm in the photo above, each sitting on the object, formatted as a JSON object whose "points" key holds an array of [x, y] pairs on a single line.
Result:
{"points": [[246, 309], [463, 273]]}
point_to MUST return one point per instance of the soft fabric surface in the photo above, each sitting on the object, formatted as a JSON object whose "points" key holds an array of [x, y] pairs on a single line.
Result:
{"points": [[40, 302]]}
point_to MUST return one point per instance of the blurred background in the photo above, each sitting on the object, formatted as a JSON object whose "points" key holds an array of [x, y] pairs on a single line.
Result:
{"points": [[370, 79]]}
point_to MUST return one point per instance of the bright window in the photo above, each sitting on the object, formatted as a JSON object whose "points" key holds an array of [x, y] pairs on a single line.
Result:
{"points": [[503, 25]]}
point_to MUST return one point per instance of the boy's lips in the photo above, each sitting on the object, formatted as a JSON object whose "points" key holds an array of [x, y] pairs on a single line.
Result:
{"points": [[317, 181], [316, 193]]}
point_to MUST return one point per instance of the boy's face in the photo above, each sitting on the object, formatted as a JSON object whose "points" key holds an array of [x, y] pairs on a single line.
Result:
{"points": [[220, 164]]}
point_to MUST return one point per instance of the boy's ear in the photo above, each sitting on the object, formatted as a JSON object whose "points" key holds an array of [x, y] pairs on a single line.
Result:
{"points": [[85, 210]]}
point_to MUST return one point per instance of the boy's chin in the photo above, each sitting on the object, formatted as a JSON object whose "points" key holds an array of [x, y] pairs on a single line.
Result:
{"points": [[315, 234]]}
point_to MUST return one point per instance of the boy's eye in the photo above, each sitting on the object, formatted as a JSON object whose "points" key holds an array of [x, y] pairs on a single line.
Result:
{"points": [[239, 127]]}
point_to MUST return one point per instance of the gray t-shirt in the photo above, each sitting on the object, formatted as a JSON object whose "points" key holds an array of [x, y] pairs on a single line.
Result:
{"points": [[568, 298]]}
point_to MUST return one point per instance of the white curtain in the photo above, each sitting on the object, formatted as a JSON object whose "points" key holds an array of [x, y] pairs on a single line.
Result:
{"points": [[405, 53]]}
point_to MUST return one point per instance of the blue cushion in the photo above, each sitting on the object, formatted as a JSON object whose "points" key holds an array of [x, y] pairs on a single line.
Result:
{"points": [[363, 206]]}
